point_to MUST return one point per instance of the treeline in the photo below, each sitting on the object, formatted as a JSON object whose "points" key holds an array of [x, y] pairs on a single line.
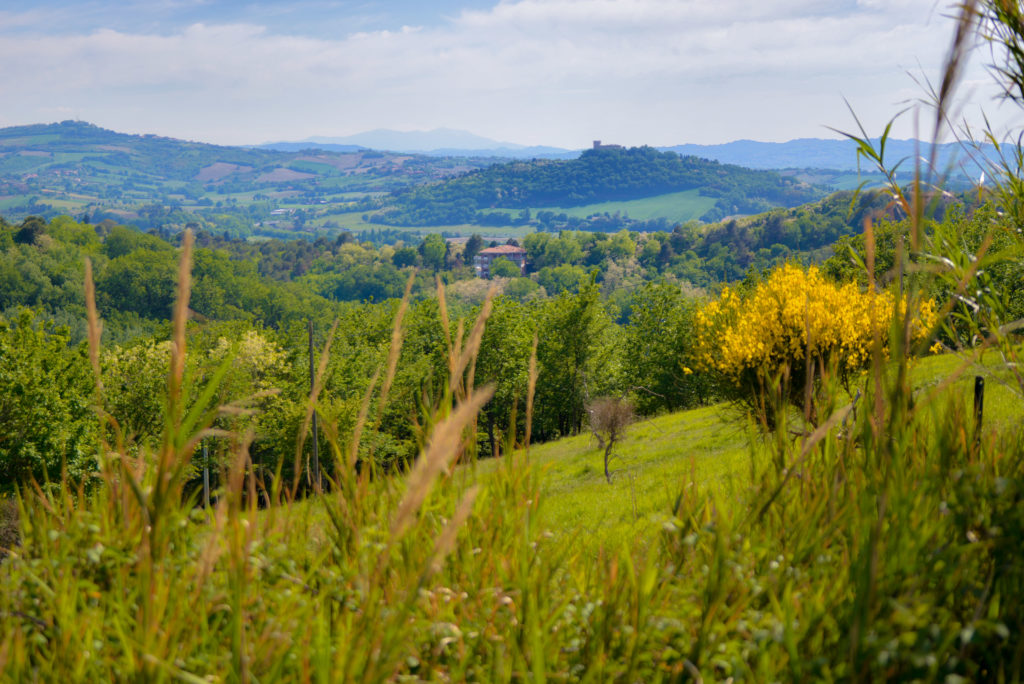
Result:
{"points": [[256, 325], [42, 267], [343, 268], [276, 281], [582, 354], [598, 175]]}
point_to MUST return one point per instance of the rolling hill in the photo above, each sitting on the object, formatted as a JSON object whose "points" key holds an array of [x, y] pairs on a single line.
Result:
{"points": [[602, 174], [165, 184], [156, 182]]}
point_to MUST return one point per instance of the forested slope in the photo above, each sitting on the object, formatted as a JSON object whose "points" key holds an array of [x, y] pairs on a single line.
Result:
{"points": [[597, 175]]}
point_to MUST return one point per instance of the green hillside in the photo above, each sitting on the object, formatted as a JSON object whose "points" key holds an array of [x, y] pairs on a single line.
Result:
{"points": [[658, 456], [710, 448], [674, 207], [648, 214], [597, 176], [164, 183]]}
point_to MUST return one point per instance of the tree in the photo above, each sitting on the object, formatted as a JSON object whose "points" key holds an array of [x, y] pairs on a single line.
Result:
{"points": [[141, 281], [609, 417], [404, 256], [565, 249], [47, 422], [504, 268], [504, 361], [659, 355], [66, 229], [122, 240], [522, 289], [257, 371], [434, 249], [135, 382], [473, 246], [577, 358], [30, 230], [564, 278], [622, 245], [774, 342]]}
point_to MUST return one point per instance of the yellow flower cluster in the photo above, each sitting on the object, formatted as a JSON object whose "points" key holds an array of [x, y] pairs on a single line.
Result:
{"points": [[796, 312]]}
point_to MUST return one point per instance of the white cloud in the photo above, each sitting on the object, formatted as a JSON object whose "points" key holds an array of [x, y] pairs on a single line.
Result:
{"points": [[532, 71]]}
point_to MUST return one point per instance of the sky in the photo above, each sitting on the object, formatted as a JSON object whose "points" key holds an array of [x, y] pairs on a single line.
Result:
{"points": [[530, 72]]}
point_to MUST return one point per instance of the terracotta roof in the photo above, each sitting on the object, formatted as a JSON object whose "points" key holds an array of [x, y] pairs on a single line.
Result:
{"points": [[503, 249]]}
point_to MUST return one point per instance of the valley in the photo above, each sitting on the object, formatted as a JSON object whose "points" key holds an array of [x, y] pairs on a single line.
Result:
{"points": [[164, 184]]}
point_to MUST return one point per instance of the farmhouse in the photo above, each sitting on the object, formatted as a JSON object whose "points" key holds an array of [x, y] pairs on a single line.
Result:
{"points": [[482, 261]]}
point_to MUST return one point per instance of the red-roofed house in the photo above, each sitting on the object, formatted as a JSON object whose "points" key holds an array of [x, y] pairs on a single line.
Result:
{"points": [[482, 261]]}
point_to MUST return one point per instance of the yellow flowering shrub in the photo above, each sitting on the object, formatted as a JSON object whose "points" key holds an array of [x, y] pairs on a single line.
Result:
{"points": [[753, 338]]}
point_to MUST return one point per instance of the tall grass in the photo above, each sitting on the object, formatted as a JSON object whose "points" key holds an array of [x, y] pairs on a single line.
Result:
{"points": [[882, 544]]}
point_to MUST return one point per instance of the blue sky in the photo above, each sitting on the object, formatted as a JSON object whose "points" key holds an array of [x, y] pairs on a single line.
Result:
{"points": [[544, 72], [327, 19]]}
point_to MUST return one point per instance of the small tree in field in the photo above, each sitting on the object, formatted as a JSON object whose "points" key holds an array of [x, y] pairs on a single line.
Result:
{"points": [[609, 418]]}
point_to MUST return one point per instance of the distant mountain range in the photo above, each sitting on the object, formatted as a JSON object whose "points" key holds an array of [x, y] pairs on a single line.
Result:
{"points": [[440, 142], [803, 153], [818, 153]]}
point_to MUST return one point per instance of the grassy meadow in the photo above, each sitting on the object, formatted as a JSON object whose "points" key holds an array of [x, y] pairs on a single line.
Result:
{"points": [[881, 544], [676, 207], [713, 448], [353, 222], [659, 455]]}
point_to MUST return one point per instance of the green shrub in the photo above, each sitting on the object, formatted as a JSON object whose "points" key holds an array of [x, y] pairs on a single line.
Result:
{"points": [[47, 422]]}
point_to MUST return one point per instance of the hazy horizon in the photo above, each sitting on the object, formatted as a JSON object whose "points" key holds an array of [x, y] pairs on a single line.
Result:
{"points": [[556, 73]]}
